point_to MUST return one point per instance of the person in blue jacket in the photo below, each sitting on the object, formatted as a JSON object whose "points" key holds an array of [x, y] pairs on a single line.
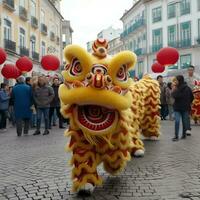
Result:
{"points": [[4, 104], [23, 100]]}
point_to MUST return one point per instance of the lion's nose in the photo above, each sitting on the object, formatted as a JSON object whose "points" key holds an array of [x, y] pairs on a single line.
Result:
{"points": [[98, 81]]}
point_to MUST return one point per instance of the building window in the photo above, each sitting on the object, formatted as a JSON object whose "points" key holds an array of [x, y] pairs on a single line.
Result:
{"points": [[57, 31], [22, 39], [130, 45], [157, 39], [172, 35], [171, 10], [43, 48], [7, 29], [198, 5], [185, 7], [185, 31], [144, 36], [42, 17], [185, 60], [33, 8], [22, 3], [33, 41], [156, 14], [140, 69]]}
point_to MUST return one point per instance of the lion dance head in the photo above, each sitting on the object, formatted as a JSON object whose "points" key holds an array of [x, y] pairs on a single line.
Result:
{"points": [[96, 88]]}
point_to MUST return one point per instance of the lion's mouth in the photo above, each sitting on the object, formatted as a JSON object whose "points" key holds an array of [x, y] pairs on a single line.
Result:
{"points": [[96, 118]]}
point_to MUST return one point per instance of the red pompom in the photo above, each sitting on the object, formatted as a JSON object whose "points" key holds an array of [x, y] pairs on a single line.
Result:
{"points": [[24, 64], [50, 62], [157, 68], [167, 56], [10, 71], [3, 56]]}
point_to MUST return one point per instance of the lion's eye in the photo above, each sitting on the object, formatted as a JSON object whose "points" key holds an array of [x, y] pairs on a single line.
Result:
{"points": [[75, 68], [122, 73]]}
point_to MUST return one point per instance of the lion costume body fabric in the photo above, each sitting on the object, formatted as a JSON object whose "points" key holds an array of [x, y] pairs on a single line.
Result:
{"points": [[107, 111], [195, 111]]}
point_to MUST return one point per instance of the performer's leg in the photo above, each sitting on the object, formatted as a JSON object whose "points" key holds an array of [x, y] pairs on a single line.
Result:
{"points": [[84, 161]]}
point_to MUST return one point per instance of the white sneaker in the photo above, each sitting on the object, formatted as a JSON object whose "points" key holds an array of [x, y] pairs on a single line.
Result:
{"points": [[188, 132], [139, 153], [88, 189]]}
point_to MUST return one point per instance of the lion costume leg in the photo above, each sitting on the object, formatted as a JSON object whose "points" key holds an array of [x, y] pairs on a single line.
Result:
{"points": [[84, 161], [115, 158], [151, 126]]}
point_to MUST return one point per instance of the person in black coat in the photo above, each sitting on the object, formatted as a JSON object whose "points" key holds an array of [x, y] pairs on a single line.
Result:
{"points": [[55, 104], [183, 98]]}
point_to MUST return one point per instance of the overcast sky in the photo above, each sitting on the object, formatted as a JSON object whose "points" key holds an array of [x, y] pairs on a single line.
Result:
{"points": [[89, 17]]}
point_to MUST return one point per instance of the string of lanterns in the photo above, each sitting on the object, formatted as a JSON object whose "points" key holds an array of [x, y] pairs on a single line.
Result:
{"points": [[166, 56], [24, 65]]}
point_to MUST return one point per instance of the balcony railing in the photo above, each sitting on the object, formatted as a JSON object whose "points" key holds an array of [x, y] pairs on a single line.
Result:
{"points": [[52, 36], [35, 56], [10, 45], [34, 22], [173, 44], [141, 22], [44, 29], [57, 40], [171, 14], [23, 13], [180, 44], [9, 4], [156, 47], [185, 43], [24, 51], [157, 19], [140, 51]]}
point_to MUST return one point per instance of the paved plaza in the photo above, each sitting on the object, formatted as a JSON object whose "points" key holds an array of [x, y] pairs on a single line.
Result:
{"points": [[35, 167]]}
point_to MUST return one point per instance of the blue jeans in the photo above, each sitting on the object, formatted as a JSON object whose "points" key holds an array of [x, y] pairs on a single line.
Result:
{"points": [[184, 115], [33, 120], [45, 112]]}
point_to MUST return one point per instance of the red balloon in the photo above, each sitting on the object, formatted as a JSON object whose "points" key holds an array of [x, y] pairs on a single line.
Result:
{"points": [[167, 56], [10, 71], [50, 62], [24, 64], [3, 56], [157, 68]]}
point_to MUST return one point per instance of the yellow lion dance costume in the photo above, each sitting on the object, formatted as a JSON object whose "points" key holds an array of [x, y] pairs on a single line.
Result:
{"points": [[196, 103], [107, 111]]}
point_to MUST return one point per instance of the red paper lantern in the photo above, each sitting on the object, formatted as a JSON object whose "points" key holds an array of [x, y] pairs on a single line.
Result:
{"points": [[3, 56], [24, 64], [10, 71], [50, 62], [157, 68], [167, 56]]}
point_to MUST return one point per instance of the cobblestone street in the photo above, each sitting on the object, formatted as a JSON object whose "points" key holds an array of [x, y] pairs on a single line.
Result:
{"points": [[35, 167]]}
